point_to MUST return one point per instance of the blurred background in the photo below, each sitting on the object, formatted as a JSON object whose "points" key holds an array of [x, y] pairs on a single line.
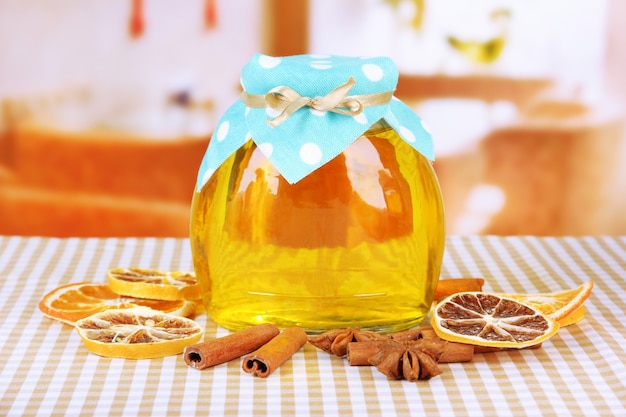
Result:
{"points": [[106, 107]]}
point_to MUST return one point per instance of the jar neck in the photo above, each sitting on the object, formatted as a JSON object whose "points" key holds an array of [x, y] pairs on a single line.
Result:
{"points": [[378, 127]]}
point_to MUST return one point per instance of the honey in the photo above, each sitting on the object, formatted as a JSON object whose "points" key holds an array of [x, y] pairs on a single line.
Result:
{"points": [[358, 242]]}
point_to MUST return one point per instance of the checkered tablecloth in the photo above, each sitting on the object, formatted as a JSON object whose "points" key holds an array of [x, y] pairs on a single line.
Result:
{"points": [[45, 370]]}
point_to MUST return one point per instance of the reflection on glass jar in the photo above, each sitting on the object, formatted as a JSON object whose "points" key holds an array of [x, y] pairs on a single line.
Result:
{"points": [[356, 243]]}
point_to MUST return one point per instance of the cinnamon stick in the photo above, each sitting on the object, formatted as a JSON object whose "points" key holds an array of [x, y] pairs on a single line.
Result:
{"points": [[273, 354], [428, 332], [359, 353], [414, 334], [224, 349], [449, 286]]}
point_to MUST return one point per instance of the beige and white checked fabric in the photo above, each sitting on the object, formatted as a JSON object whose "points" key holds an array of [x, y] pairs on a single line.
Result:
{"points": [[46, 371]]}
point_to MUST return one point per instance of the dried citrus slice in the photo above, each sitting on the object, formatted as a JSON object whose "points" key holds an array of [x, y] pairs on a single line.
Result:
{"points": [[574, 317], [150, 283], [559, 305], [137, 333], [484, 319], [71, 302]]}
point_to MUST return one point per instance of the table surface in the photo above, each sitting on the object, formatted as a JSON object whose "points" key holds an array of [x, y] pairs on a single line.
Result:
{"points": [[45, 369]]}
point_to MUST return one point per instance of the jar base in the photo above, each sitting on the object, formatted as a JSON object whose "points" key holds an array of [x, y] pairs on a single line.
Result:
{"points": [[239, 320]]}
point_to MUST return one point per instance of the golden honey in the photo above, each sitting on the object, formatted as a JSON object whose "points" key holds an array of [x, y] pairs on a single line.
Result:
{"points": [[356, 243]]}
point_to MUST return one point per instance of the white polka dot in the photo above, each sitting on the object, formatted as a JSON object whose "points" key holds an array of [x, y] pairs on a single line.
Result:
{"points": [[373, 72], [315, 112], [205, 178], [407, 134], [222, 131], [321, 66], [268, 61], [319, 56], [267, 149], [425, 127], [360, 118], [310, 153], [247, 111], [272, 112]]}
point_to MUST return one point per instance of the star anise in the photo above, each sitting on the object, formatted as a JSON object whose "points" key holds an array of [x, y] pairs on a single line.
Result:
{"points": [[413, 360], [336, 341]]}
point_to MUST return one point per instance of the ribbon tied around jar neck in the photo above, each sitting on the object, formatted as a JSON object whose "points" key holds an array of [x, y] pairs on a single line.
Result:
{"points": [[286, 101]]}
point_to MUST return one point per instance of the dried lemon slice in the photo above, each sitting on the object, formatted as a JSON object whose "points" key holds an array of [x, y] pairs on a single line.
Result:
{"points": [[71, 302], [485, 319], [566, 307], [151, 283], [137, 333]]}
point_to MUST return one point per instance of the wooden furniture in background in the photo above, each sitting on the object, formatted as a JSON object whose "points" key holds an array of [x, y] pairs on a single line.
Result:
{"points": [[285, 27], [94, 183]]}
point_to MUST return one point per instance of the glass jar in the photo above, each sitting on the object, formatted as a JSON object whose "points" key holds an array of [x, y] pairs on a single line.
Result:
{"points": [[357, 243]]}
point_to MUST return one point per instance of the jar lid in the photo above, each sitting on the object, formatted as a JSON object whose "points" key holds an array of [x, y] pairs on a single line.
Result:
{"points": [[303, 110]]}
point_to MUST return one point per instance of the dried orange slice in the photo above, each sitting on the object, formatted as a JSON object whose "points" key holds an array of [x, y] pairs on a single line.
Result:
{"points": [[150, 283], [559, 306], [71, 302], [574, 317], [484, 319], [137, 333]]}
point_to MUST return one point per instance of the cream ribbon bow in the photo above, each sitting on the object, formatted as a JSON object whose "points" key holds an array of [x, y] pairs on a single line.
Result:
{"points": [[287, 101]]}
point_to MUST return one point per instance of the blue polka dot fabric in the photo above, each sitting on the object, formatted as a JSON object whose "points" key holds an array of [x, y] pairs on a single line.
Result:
{"points": [[309, 138]]}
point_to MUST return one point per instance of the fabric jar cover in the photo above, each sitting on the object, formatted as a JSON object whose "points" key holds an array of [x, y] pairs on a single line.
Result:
{"points": [[308, 138]]}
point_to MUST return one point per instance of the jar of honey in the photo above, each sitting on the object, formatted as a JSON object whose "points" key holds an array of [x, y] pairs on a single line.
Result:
{"points": [[316, 203]]}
